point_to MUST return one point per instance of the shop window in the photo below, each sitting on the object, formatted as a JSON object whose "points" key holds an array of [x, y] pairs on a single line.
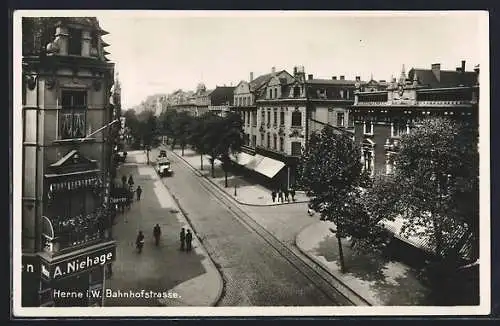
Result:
{"points": [[75, 42], [296, 148], [296, 118], [72, 114]]}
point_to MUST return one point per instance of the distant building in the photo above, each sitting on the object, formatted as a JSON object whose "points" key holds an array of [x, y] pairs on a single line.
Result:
{"points": [[383, 112], [220, 100]]}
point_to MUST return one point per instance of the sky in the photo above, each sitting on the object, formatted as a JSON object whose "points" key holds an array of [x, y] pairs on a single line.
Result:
{"points": [[162, 51]]}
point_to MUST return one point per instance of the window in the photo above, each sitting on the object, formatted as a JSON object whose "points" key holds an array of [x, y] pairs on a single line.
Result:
{"points": [[254, 118], [262, 139], [249, 100], [296, 91], [275, 93], [72, 114], [263, 117], [268, 117], [389, 164], [347, 94], [368, 161], [296, 118], [268, 140], [275, 142], [341, 93], [244, 101], [340, 119], [282, 118], [95, 40], [368, 128], [75, 42], [398, 129], [254, 140], [275, 121], [270, 93], [296, 148], [282, 144]]}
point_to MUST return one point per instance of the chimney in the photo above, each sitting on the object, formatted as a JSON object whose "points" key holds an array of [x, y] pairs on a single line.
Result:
{"points": [[463, 65], [251, 76], [294, 71], [342, 77], [334, 78], [358, 78], [273, 70], [310, 77], [436, 70]]}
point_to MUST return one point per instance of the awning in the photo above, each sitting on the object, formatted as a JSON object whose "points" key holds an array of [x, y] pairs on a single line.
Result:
{"points": [[242, 158], [269, 167], [254, 162]]}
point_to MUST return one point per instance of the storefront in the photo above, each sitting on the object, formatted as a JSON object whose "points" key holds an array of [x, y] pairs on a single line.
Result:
{"points": [[76, 279]]}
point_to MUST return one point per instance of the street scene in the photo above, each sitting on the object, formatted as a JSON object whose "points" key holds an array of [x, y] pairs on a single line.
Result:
{"points": [[330, 173]]}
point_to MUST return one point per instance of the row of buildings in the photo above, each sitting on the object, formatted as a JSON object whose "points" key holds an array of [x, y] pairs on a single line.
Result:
{"points": [[280, 111], [69, 110]]}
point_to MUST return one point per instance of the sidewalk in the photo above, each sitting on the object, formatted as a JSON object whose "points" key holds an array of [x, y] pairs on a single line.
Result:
{"points": [[247, 193], [377, 280], [192, 276]]}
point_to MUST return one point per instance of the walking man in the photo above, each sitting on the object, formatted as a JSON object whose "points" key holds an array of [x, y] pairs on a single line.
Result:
{"points": [[286, 195], [189, 238], [139, 192], [292, 193], [130, 181], [273, 195], [157, 234], [183, 238], [280, 195]]}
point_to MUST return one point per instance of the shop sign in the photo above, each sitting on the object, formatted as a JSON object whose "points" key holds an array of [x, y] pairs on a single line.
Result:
{"points": [[80, 263]]}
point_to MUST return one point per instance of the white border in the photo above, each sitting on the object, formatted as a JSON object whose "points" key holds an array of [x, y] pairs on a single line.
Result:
{"points": [[484, 145]]}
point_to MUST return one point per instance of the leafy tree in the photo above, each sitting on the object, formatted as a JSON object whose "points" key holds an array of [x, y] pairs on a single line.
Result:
{"points": [[231, 140], [133, 126], [331, 174], [197, 130], [211, 138], [166, 122], [435, 185], [180, 129], [148, 127]]}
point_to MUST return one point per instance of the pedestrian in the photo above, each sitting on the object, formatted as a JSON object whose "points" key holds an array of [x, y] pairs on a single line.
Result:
{"points": [[139, 192], [157, 234], [273, 195], [292, 193], [189, 238], [286, 194], [183, 238], [139, 242], [280, 195], [124, 181]]}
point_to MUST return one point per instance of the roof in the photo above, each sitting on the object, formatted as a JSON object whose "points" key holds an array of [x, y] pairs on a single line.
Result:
{"points": [[448, 78], [333, 82], [259, 81]]}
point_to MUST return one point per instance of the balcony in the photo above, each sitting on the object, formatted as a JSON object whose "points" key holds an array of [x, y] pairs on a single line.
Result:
{"points": [[63, 234]]}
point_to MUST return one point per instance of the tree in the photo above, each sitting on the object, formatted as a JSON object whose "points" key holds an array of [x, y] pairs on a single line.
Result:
{"points": [[166, 122], [331, 174], [147, 127], [197, 130], [231, 140], [211, 138], [133, 126], [180, 129], [436, 185]]}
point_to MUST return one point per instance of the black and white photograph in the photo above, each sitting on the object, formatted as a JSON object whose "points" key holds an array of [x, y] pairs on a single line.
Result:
{"points": [[194, 163]]}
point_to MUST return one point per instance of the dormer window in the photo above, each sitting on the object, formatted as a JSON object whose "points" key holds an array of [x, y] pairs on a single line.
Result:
{"points": [[296, 91], [94, 40], [270, 93], [75, 42]]}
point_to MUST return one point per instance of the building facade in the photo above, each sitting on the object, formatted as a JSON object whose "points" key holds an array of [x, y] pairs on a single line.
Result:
{"points": [[221, 100], [66, 233], [288, 109], [383, 112]]}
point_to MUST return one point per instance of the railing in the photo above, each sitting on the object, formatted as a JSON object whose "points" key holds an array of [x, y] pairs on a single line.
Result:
{"points": [[79, 231]]}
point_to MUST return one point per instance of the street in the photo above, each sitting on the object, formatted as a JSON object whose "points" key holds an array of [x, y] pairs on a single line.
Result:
{"points": [[256, 271]]}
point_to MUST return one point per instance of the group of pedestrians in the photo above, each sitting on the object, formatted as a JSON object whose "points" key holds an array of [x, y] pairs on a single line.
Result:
{"points": [[128, 186], [186, 238], [281, 195]]}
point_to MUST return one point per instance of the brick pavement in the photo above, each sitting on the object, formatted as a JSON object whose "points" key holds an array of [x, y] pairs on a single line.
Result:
{"points": [[192, 276]]}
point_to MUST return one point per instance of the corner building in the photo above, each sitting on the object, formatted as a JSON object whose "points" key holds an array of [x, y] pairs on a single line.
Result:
{"points": [[67, 244]]}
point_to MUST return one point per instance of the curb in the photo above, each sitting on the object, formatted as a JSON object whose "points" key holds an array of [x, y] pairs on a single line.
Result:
{"points": [[200, 241], [325, 268], [198, 173]]}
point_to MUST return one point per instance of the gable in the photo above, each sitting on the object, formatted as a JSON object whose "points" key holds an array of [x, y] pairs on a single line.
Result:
{"points": [[72, 162], [242, 88]]}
